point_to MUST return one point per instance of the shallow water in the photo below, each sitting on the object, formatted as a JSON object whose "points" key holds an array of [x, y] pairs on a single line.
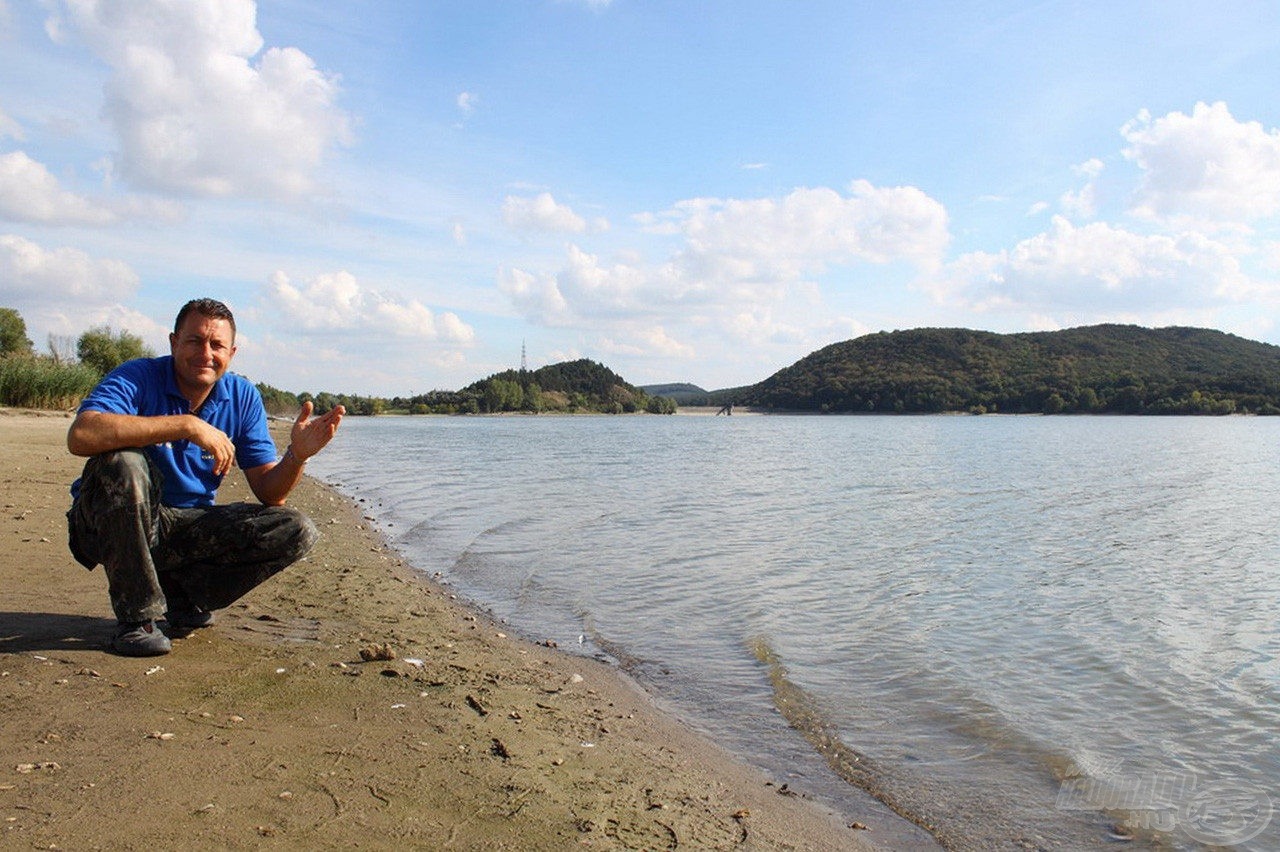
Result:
{"points": [[1061, 630]]}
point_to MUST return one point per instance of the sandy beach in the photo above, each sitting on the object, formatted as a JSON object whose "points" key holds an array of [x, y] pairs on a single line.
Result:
{"points": [[269, 730]]}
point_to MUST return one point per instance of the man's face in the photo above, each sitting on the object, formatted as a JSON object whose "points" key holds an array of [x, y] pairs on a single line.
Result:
{"points": [[202, 349]]}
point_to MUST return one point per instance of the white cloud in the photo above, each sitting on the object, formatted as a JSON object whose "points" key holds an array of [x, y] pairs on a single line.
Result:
{"points": [[646, 341], [65, 291], [758, 324], [10, 128], [1090, 168], [586, 292], [740, 271], [1083, 203], [538, 298], [1097, 271], [658, 341], [194, 115], [361, 360], [810, 229], [1204, 166], [467, 102], [541, 213], [597, 290], [336, 302], [29, 193], [28, 270], [450, 327]]}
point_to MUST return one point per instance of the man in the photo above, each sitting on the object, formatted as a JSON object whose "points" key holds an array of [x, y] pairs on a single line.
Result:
{"points": [[160, 434]]}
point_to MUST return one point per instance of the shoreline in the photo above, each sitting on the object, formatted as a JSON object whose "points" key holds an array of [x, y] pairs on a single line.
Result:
{"points": [[269, 729]]}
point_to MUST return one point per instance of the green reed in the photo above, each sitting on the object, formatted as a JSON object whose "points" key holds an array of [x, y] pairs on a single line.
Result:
{"points": [[28, 381]]}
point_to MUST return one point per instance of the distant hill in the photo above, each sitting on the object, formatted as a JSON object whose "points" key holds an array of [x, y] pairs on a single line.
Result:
{"points": [[581, 385], [682, 393], [1094, 369]]}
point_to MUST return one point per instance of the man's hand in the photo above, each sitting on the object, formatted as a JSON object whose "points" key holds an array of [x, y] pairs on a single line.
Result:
{"points": [[215, 443], [271, 483], [310, 434]]}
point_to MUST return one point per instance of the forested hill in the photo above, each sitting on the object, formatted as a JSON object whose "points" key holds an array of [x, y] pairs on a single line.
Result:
{"points": [[1102, 368], [581, 385]]}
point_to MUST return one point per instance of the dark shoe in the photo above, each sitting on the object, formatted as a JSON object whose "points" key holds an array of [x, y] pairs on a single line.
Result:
{"points": [[140, 639], [187, 619]]}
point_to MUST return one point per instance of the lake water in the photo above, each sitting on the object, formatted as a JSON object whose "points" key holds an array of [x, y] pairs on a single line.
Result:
{"points": [[1053, 630]]}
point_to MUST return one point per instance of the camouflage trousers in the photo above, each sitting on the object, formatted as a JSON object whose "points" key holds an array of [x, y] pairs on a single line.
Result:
{"points": [[158, 557]]}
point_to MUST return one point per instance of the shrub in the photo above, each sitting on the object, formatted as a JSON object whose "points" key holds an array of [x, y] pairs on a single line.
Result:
{"points": [[105, 350]]}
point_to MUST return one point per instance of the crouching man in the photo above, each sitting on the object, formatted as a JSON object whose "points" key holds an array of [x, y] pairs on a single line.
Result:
{"points": [[160, 434]]}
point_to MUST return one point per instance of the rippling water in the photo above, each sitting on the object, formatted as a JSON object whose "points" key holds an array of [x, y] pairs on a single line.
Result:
{"points": [[1060, 630]]}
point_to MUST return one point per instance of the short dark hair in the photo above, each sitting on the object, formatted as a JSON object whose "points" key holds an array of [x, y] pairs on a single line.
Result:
{"points": [[211, 308]]}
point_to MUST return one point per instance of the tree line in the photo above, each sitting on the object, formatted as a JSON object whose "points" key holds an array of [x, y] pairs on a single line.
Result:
{"points": [[1094, 369]]}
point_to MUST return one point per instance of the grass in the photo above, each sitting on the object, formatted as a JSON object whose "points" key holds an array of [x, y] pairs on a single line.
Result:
{"points": [[34, 381]]}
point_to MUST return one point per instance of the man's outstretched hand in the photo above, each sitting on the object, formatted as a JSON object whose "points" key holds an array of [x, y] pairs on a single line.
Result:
{"points": [[271, 483], [310, 434]]}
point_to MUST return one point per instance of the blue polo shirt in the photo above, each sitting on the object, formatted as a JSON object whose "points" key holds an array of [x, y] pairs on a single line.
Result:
{"points": [[147, 387]]}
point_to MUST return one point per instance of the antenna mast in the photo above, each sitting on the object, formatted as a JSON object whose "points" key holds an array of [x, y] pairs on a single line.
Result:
{"points": [[524, 360]]}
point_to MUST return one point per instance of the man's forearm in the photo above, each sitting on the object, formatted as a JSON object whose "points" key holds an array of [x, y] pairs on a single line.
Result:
{"points": [[95, 432], [272, 485]]}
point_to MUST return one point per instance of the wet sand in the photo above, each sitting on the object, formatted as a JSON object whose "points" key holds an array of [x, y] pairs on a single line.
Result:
{"points": [[270, 730]]}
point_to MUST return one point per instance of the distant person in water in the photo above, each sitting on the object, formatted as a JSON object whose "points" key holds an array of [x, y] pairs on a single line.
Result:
{"points": [[160, 434]]}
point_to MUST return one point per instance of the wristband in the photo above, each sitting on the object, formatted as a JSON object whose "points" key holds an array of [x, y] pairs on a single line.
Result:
{"points": [[290, 454]]}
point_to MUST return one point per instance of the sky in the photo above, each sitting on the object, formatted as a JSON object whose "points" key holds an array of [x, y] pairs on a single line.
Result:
{"points": [[398, 196]]}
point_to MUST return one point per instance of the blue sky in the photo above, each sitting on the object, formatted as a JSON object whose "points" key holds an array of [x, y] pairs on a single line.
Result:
{"points": [[395, 196]]}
